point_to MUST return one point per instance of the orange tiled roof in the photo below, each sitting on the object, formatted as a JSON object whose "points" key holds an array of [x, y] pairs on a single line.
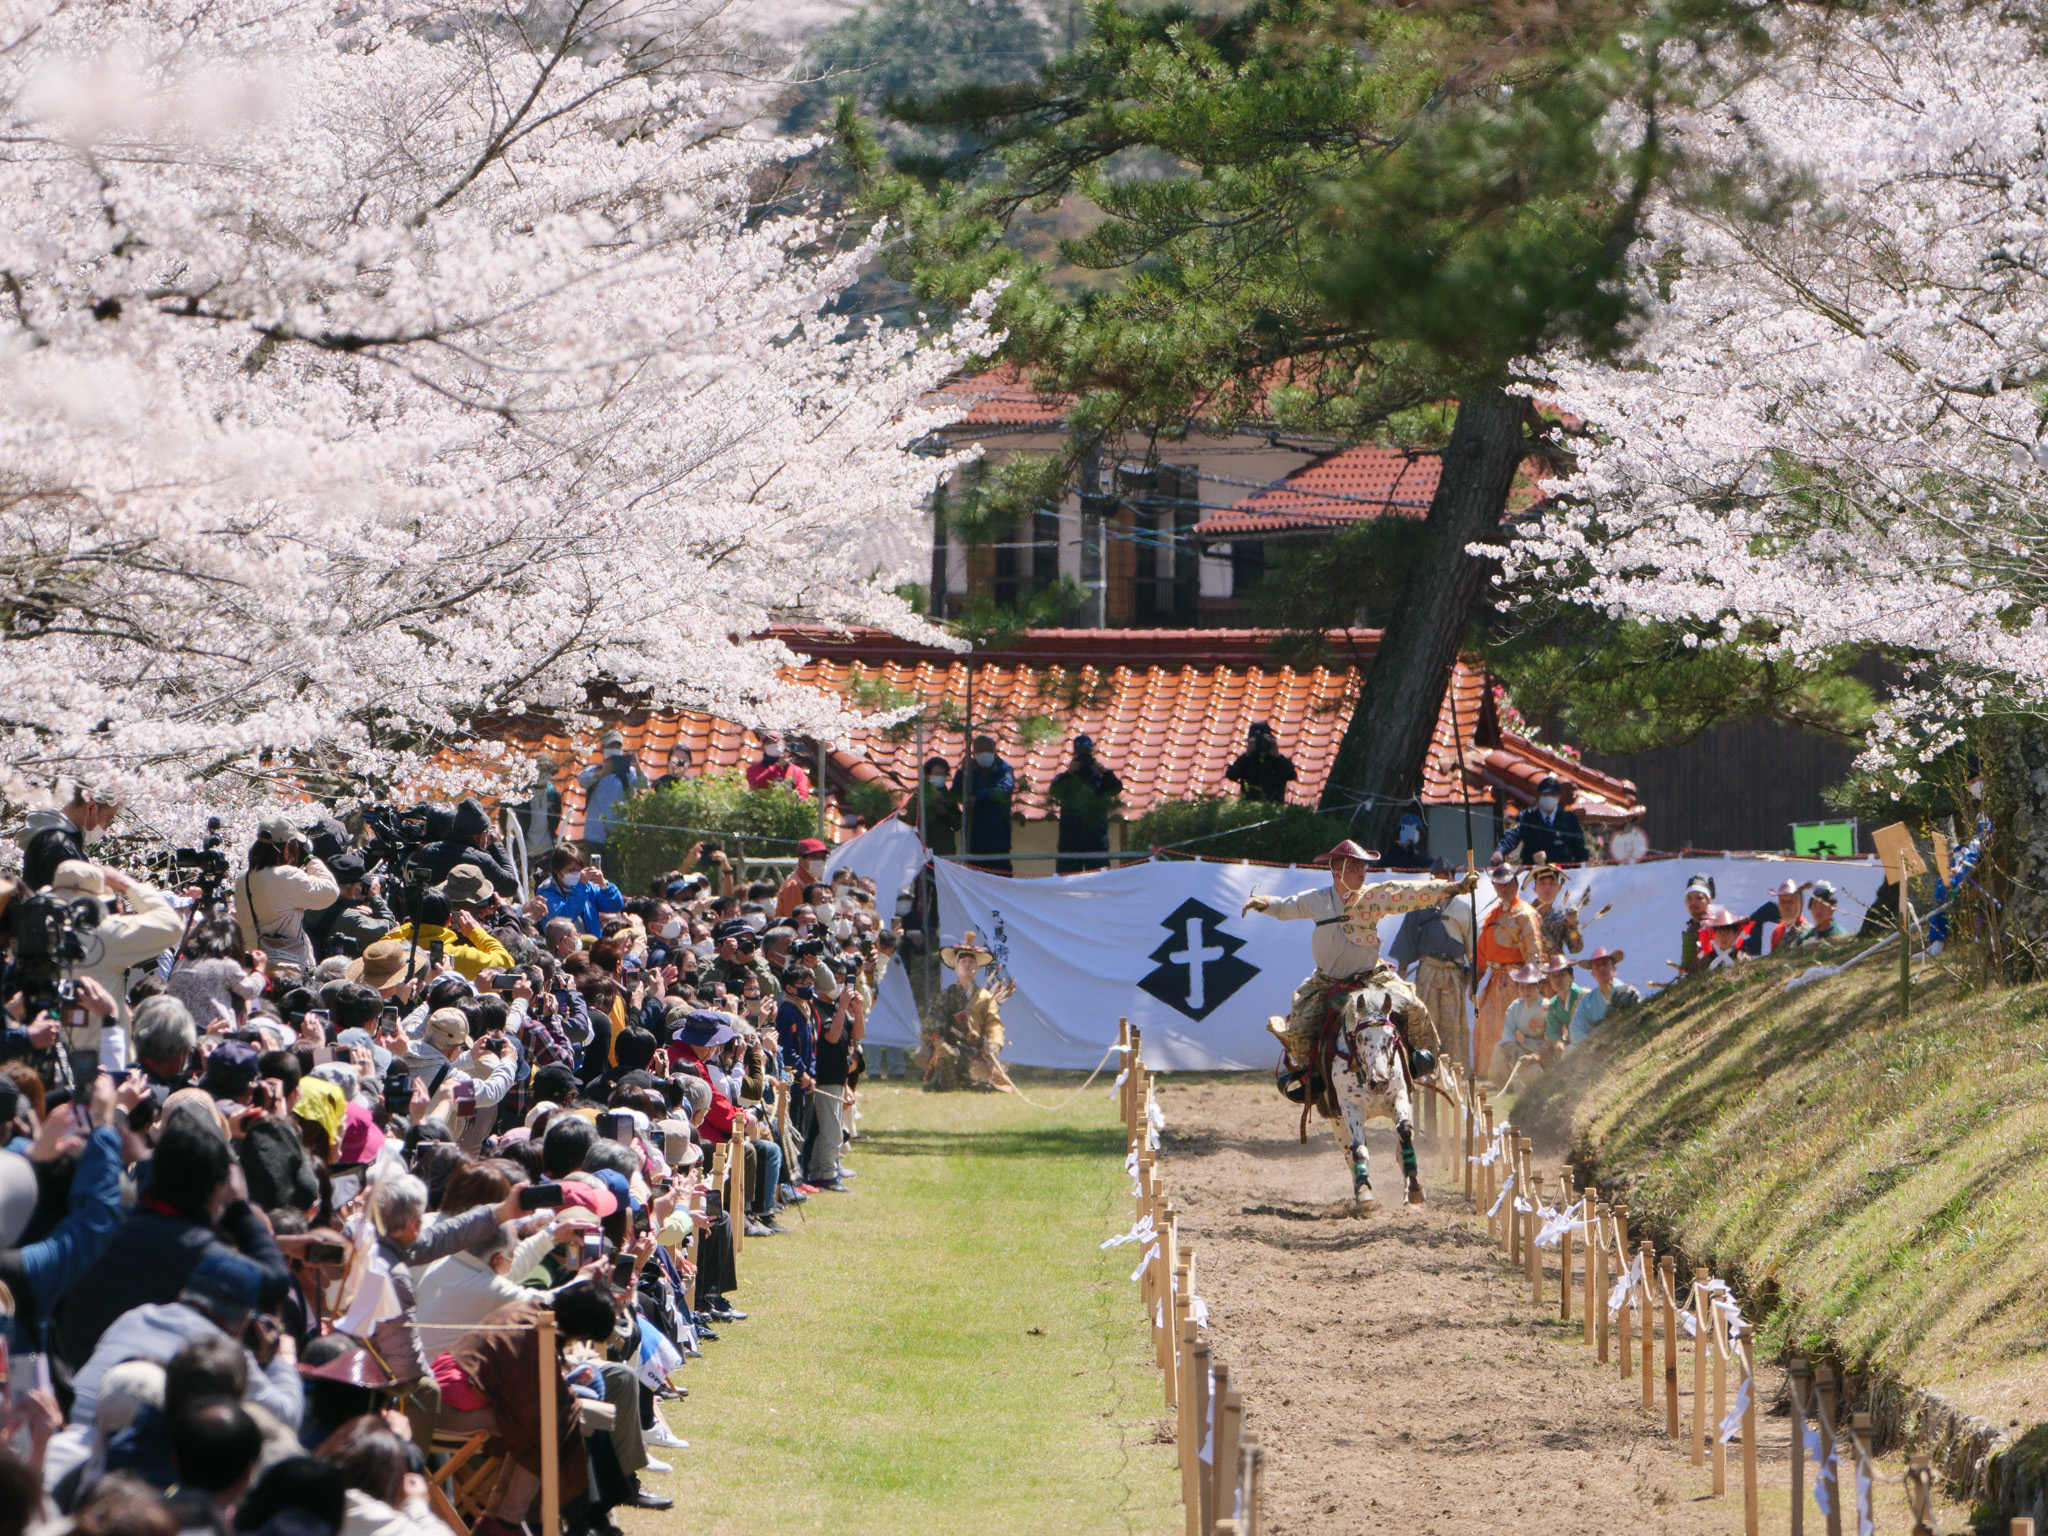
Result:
{"points": [[1342, 487], [1168, 709]]}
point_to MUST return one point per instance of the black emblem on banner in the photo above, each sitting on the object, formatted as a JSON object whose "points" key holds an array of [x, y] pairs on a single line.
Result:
{"points": [[1198, 966]]}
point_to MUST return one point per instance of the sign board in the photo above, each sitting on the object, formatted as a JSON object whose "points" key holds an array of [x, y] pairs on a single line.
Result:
{"points": [[1894, 845], [1824, 839]]}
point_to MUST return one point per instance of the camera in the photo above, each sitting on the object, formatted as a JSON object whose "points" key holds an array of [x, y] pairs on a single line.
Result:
{"points": [[206, 867], [397, 1090], [53, 933], [708, 848], [807, 947]]}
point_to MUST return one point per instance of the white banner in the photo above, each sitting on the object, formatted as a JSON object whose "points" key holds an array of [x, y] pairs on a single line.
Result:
{"points": [[888, 853], [1163, 945]]}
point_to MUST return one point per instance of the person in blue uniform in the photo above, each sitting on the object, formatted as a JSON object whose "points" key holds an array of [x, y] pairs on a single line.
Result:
{"points": [[1546, 832]]}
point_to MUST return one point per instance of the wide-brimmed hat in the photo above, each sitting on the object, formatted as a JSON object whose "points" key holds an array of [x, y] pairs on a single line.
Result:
{"points": [[321, 1102], [952, 954], [383, 963], [1504, 874], [1721, 917], [1788, 887], [1545, 870], [1603, 953], [706, 1029], [1558, 963], [1349, 850], [467, 887], [1526, 975]]}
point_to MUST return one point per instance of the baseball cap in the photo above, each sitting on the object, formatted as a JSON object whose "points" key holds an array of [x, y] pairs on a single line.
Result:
{"points": [[277, 831], [225, 1285], [585, 1190]]}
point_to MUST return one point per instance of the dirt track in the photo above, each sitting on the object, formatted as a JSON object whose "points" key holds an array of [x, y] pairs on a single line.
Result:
{"points": [[1394, 1367]]}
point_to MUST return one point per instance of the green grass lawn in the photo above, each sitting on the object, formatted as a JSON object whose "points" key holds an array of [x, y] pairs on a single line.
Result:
{"points": [[944, 1349]]}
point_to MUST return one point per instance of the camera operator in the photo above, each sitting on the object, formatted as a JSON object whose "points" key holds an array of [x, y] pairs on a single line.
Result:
{"points": [[474, 842], [282, 884], [360, 913], [126, 941], [51, 837], [739, 956]]}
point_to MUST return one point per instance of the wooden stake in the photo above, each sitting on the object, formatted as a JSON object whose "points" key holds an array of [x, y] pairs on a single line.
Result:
{"points": [[1749, 1489], [1699, 1375], [1717, 1334], [2022, 1525], [1222, 1471], [1592, 1298], [1254, 1488], [1472, 1148], [1796, 1376], [1649, 1322], [1532, 1223], [1667, 1268], [1601, 1280], [1177, 1318], [550, 1435], [1920, 1494], [1829, 1473], [1194, 1486]]}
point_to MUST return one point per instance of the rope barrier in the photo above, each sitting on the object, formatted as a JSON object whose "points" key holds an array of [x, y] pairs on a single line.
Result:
{"points": [[1063, 1103]]}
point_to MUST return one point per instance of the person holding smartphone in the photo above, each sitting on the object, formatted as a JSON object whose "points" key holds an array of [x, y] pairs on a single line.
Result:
{"points": [[579, 896]]}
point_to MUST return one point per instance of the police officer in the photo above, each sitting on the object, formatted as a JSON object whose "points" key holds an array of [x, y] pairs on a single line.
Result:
{"points": [[1546, 833]]}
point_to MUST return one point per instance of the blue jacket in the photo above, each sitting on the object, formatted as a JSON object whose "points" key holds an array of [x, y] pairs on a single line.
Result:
{"points": [[797, 1025], [604, 787], [42, 1272], [581, 904], [989, 822]]}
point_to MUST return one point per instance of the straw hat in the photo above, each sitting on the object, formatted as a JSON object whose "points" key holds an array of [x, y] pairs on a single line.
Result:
{"points": [[1526, 975], [1603, 953], [951, 956], [383, 964]]}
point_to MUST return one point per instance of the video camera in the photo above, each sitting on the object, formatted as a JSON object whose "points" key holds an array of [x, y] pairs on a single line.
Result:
{"points": [[53, 933]]}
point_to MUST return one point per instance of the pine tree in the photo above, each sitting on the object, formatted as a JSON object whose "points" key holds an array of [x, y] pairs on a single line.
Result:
{"points": [[1334, 215]]}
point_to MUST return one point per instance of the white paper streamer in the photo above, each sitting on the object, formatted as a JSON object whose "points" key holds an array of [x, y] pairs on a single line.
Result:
{"points": [[1557, 1223], [1505, 1185], [1732, 1425], [1143, 1232], [1865, 1524], [1207, 1454], [1198, 1311], [1630, 1279], [1688, 1324], [1150, 1254]]}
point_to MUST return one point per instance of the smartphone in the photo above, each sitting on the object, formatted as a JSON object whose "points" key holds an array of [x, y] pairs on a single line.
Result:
{"points": [[322, 1054], [615, 1126], [326, 1253], [540, 1197], [316, 1018], [465, 1098], [714, 1204], [434, 953], [622, 1269], [397, 1092], [503, 985], [593, 1247], [388, 1025], [596, 862]]}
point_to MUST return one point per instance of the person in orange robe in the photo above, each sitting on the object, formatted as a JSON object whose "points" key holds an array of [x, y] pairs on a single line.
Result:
{"points": [[1510, 936]]}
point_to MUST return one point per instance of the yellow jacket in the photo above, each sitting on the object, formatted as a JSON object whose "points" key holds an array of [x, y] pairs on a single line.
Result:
{"points": [[487, 954]]}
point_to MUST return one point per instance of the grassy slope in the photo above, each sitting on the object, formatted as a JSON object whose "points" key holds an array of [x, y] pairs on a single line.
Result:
{"points": [[889, 1379], [1877, 1187]]}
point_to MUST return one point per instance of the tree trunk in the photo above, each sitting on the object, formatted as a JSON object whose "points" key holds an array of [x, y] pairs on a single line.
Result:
{"points": [[1381, 758], [2015, 868]]}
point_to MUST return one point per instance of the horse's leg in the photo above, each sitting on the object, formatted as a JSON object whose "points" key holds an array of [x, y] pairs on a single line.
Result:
{"points": [[1404, 1127], [1361, 1164]]}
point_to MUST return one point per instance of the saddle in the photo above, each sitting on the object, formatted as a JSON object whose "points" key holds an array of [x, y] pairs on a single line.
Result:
{"points": [[1313, 1084]]}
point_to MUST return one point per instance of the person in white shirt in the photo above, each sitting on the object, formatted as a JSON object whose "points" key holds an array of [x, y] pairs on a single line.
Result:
{"points": [[126, 940], [282, 884], [456, 1293]]}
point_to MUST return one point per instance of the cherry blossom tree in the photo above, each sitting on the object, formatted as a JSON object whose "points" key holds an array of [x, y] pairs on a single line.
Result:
{"points": [[1829, 426], [364, 371]]}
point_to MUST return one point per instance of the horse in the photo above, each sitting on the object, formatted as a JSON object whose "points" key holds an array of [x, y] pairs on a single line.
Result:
{"points": [[1370, 1075]]}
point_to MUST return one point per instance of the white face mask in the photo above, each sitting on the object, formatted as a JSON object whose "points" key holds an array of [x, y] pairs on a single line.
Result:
{"points": [[842, 929], [824, 911], [984, 759], [771, 750], [669, 932], [936, 779], [1547, 804], [568, 879]]}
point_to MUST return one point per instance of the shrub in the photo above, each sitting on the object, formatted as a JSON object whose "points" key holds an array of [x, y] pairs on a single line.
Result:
{"points": [[653, 833], [1229, 828]]}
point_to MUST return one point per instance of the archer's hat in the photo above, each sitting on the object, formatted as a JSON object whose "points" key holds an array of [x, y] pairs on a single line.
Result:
{"points": [[1349, 850], [1526, 975], [951, 956], [1701, 883], [1788, 887], [1603, 953]]}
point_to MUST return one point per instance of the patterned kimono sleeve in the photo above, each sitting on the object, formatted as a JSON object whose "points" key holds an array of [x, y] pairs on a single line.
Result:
{"points": [[1519, 929], [1391, 896]]}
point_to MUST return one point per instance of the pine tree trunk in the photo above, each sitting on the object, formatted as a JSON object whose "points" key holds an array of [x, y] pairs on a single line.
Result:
{"points": [[1388, 739], [2015, 871]]}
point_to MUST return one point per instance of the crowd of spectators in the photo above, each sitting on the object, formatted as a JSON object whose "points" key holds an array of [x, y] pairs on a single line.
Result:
{"points": [[297, 1156]]}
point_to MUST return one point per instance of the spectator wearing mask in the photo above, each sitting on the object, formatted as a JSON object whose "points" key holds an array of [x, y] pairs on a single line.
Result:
{"points": [[775, 766], [541, 812], [1085, 792], [282, 884], [984, 787], [615, 777], [465, 943], [678, 767], [51, 837], [472, 841], [582, 896], [811, 854], [194, 1204], [939, 810], [475, 1083], [127, 940], [1546, 833], [831, 1091], [1410, 850], [1260, 771]]}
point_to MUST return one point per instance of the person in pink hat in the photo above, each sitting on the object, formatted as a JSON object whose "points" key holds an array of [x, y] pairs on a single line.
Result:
{"points": [[1346, 943]]}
